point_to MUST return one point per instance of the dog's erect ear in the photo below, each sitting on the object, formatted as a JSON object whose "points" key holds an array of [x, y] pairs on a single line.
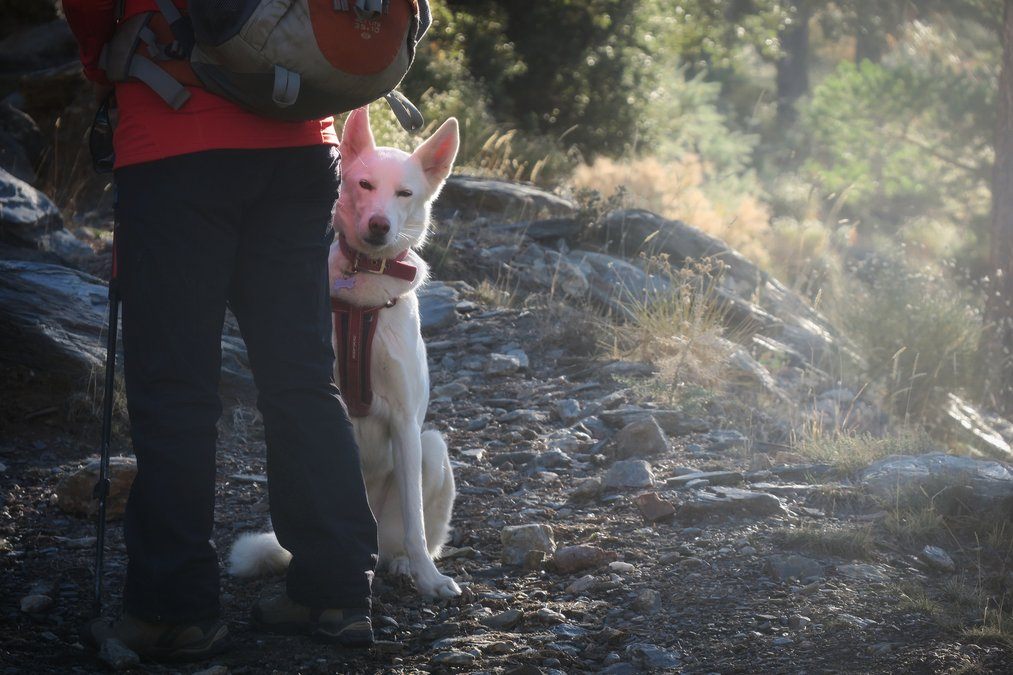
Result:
{"points": [[356, 136], [437, 154]]}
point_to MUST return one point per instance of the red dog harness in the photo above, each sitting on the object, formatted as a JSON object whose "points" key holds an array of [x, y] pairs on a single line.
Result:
{"points": [[355, 327]]}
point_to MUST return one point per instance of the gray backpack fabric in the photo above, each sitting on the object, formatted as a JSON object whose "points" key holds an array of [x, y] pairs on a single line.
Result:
{"points": [[285, 59]]}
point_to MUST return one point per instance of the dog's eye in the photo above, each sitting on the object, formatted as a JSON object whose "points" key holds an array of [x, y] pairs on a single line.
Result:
{"points": [[404, 193], [365, 185]]}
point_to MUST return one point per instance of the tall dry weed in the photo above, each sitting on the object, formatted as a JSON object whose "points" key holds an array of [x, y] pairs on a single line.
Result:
{"points": [[681, 331]]}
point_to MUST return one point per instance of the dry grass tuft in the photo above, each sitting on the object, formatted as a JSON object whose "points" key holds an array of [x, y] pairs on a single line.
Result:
{"points": [[680, 330], [966, 606], [499, 293], [845, 541], [851, 452], [915, 524]]}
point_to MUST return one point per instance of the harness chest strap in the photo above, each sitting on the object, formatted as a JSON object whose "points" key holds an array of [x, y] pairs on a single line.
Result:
{"points": [[354, 329]]}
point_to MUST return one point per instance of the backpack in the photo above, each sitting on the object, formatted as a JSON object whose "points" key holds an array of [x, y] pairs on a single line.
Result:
{"points": [[291, 60]]}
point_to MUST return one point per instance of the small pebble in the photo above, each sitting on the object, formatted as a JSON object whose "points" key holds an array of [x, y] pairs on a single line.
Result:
{"points": [[550, 616], [118, 655], [582, 584], [454, 658], [36, 604], [798, 622]]}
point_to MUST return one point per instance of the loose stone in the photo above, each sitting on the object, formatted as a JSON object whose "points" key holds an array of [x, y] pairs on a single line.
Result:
{"points": [[518, 540]]}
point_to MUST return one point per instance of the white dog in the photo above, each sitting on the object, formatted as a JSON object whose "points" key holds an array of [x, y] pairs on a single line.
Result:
{"points": [[382, 215]]}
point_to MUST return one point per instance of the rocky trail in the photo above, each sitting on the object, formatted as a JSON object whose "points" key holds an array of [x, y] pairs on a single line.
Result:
{"points": [[594, 531]]}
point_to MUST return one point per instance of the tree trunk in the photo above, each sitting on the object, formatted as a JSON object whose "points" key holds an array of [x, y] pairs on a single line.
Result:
{"points": [[793, 67], [998, 344], [870, 43]]}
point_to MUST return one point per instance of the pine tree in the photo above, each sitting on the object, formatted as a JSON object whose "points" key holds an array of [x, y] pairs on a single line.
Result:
{"points": [[999, 309]]}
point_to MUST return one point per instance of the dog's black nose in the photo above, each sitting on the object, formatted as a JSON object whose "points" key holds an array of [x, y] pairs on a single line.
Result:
{"points": [[378, 227]]}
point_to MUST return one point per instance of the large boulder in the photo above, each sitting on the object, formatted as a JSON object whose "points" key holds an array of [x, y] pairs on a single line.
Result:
{"points": [[617, 283], [976, 483], [641, 438], [468, 197], [52, 319], [630, 232], [609, 281], [629, 473], [37, 47], [720, 502], [743, 367], [27, 217], [551, 270], [21, 143], [18, 13], [980, 428], [780, 312], [53, 326], [29, 220]]}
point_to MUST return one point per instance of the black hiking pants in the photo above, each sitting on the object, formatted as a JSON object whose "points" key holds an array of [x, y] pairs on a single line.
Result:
{"points": [[248, 228]]}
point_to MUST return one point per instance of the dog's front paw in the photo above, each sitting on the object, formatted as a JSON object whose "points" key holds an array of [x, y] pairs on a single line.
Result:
{"points": [[438, 586], [400, 566]]}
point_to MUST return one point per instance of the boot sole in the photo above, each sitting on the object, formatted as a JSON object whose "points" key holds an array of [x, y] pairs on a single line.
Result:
{"points": [[358, 634], [215, 644]]}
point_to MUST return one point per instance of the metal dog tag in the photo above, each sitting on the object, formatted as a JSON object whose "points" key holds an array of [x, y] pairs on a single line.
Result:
{"points": [[340, 284]]}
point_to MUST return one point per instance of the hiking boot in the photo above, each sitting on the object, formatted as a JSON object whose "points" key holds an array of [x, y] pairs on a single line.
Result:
{"points": [[346, 627], [161, 641]]}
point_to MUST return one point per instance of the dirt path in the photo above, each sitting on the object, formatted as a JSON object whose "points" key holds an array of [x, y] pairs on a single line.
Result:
{"points": [[712, 590]]}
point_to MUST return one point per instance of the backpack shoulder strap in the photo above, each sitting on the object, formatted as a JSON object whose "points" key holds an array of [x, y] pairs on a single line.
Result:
{"points": [[181, 27], [425, 19], [121, 61], [408, 116]]}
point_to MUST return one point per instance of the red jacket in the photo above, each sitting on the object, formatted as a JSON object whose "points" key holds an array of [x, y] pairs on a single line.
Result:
{"points": [[148, 129]]}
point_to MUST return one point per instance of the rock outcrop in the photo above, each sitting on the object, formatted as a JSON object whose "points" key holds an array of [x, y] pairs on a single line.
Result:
{"points": [[53, 324], [959, 481]]}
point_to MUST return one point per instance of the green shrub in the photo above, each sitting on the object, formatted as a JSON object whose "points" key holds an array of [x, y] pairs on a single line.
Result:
{"points": [[683, 117], [902, 141], [442, 86], [918, 331]]}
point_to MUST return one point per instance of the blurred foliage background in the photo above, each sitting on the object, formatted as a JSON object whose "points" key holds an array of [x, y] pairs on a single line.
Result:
{"points": [[845, 146]]}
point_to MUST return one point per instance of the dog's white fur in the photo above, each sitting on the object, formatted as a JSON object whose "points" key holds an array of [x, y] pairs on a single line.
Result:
{"points": [[407, 471]]}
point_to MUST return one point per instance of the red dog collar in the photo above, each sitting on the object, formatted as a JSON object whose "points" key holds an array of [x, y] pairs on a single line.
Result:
{"points": [[392, 267]]}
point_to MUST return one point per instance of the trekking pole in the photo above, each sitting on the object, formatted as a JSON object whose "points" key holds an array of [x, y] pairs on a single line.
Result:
{"points": [[102, 486], [100, 144]]}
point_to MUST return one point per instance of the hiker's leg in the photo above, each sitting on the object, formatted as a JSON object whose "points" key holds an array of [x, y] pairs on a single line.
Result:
{"points": [[318, 500], [177, 244]]}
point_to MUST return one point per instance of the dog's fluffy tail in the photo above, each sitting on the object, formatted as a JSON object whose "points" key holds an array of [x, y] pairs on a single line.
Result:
{"points": [[438, 490], [255, 555]]}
